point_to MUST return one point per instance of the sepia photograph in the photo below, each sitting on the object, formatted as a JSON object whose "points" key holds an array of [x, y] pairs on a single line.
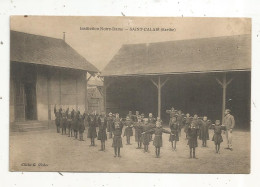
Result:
{"points": [[130, 94]]}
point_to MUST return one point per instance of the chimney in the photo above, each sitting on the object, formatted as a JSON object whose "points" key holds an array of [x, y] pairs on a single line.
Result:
{"points": [[64, 34]]}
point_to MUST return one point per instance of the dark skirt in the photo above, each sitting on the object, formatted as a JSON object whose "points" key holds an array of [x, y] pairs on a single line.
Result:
{"points": [[102, 135], [117, 141], [92, 133], [146, 138], [174, 137], [193, 142], [217, 138], [157, 142]]}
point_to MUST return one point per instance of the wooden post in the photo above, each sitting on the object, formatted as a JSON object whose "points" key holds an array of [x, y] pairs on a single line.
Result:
{"points": [[159, 86], [224, 85], [159, 97]]}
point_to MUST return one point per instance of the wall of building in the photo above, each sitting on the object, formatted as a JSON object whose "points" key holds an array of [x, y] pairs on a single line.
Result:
{"points": [[54, 86], [66, 89]]}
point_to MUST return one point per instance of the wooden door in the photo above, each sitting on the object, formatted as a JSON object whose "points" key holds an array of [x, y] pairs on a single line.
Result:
{"points": [[19, 101]]}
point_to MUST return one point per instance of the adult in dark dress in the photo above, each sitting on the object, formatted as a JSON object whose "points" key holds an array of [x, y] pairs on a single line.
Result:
{"points": [[117, 139], [174, 137], [102, 128], [128, 130], [193, 132], [204, 131], [110, 121], [92, 133], [138, 126], [158, 130]]}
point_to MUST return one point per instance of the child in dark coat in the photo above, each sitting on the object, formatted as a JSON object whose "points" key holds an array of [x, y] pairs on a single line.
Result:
{"points": [[92, 132], [217, 138], [187, 122], [117, 139], [157, 131], [204, 131], [193, 131], [57, 119], [138, 132], [75, 124], [146, 136], [128, 130], [174, 137], [102, 128], [81, 127]]}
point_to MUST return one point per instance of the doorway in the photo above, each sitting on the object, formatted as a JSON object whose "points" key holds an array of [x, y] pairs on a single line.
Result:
{"points": [[30, 101]]}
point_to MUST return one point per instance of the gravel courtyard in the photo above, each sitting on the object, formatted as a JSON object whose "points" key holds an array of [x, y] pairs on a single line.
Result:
{"points": [[49, 151]]}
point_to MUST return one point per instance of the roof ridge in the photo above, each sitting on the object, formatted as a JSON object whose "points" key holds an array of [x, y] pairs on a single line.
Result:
{"points": [[38, 35], [167, 41]]}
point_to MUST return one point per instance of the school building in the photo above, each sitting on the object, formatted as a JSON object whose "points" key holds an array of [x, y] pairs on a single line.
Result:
{"points": [[45, 71], [198, 76]]}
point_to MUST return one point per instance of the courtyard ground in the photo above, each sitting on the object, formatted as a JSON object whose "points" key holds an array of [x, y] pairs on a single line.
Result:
{"points": [[50, 151]]}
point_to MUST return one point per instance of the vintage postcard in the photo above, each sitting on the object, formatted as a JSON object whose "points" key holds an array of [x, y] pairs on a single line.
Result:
{"points": [[130, 94]]}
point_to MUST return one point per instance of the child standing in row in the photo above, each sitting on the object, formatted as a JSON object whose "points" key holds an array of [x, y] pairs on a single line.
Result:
{"points": [[204, 130], [193, 131], [138, 132], [81, 127], [128, 130], [217, 137], [117, 139], [102, 134], [174, 137]]}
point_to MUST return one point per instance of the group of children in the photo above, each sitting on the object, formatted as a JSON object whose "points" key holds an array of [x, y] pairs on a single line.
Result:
{"points": [[144, 128]]}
